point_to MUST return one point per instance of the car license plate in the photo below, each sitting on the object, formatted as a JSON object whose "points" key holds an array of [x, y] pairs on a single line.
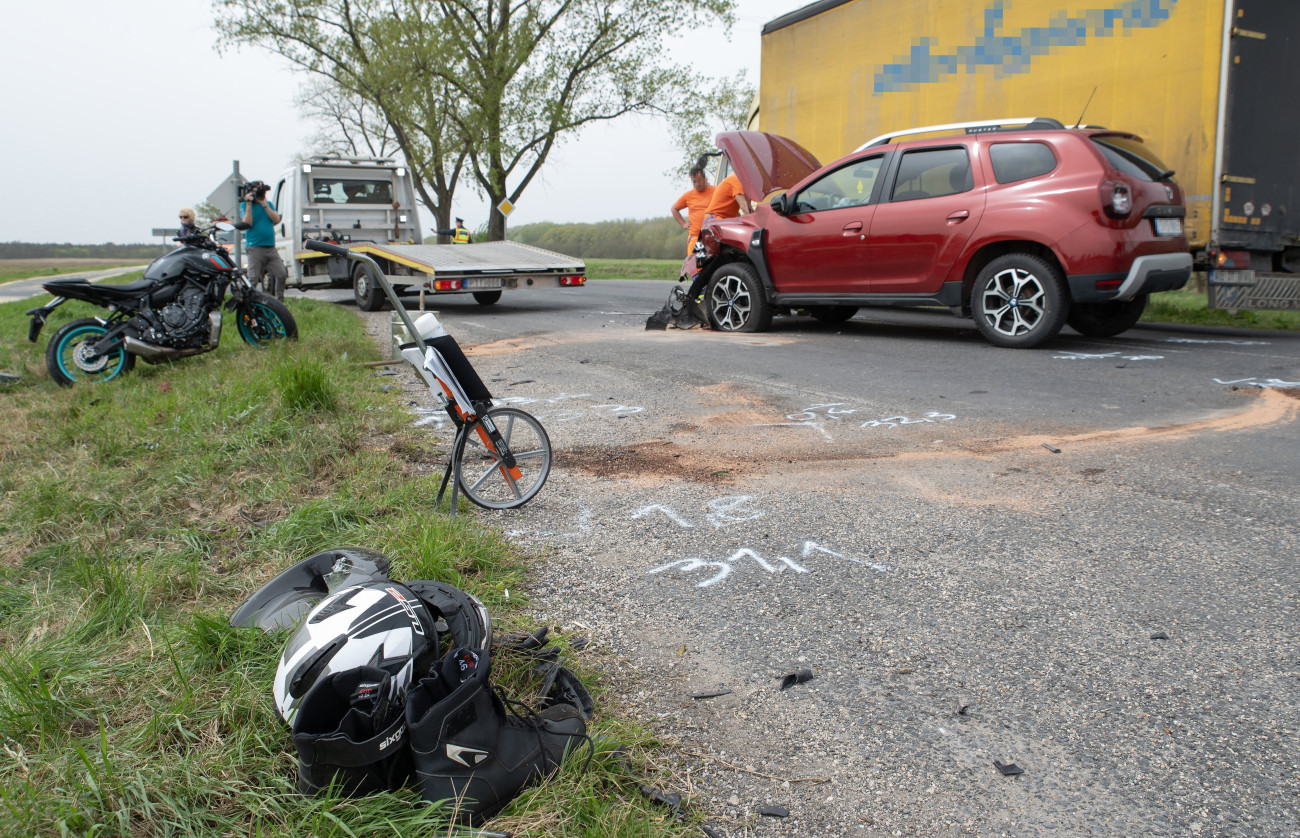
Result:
{"points": [[1168, 226]]}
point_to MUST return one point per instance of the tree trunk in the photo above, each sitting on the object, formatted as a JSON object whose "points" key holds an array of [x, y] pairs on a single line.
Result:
{"points": [[496, 221]]}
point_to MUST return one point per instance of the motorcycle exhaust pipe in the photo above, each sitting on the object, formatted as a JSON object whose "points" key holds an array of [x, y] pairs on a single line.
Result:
{"points": [[151, 353]]}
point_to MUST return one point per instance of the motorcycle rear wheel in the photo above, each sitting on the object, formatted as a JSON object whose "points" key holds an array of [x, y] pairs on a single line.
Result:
{"points": [[264, 320], [66, 356]]}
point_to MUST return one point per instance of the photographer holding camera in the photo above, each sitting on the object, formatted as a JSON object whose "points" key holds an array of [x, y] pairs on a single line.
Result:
{"points": [[259, 239]]}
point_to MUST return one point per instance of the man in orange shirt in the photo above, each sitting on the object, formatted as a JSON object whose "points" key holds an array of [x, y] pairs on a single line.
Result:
{"points": [[728, 198], [695, 201]]}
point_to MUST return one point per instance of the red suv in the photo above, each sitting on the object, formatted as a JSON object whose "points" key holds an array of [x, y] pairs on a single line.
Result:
{"points": [[1024, 230]]}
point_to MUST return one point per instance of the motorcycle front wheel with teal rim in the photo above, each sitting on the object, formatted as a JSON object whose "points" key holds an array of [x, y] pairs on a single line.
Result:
{"points": [[264, 320], [70, 358]]}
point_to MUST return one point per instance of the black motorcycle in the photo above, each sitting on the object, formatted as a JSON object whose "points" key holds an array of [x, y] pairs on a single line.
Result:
{"points": [[174, 312]]}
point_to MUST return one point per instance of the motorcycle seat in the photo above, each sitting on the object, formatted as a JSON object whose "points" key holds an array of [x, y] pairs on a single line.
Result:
{"points": [[70, 288]]}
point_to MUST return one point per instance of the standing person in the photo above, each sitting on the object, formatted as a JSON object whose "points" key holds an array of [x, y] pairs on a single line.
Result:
{"points": [[696, 202], [459, 234], [728, 199], [188, 227], [259, 240]]}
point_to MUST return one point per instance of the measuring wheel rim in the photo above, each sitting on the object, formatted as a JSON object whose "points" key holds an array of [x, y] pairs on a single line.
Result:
{"points": [[480, 471]]}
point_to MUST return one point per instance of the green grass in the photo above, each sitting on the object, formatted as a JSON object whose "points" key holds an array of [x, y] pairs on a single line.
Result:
{"points": [[135, 515], [634, 268], [9, 274], [1189, 308]]}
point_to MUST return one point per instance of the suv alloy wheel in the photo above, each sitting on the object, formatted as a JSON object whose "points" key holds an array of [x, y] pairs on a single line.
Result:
{"points": [[1018, 301], [736, 302]]}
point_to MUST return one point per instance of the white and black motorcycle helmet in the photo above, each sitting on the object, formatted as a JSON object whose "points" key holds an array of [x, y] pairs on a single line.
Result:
{"points": [[379, 624]]}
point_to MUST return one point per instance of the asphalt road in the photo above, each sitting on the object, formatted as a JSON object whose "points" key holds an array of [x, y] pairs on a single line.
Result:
{"points": [[21, 289], [1080, 559]]}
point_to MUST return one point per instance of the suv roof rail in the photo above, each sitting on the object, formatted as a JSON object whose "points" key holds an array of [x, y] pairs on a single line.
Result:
{"points": [[978, 127], [345, 158]]}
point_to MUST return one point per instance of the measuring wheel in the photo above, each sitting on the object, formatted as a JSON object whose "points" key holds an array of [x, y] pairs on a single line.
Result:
{"points": [[484, 452]]}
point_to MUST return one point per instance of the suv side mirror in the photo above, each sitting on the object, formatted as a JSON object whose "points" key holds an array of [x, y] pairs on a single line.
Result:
{"points": [[780, 204]]}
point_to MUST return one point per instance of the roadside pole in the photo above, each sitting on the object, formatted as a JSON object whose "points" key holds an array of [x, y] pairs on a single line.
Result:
{"points": [[226, 199]]}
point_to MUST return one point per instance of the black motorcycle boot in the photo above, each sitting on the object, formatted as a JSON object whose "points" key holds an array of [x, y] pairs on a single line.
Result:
{"points": [[350, 729], [469, 749]]}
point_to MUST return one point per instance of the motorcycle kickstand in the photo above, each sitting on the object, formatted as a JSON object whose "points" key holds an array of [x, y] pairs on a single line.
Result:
{"points": [[447, 475]]}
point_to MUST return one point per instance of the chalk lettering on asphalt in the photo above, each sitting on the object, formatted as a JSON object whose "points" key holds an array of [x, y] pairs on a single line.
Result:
{"points": [[895, 421], [725, 567], [1256, 382], [435, 416], [817, 416], [572, 413], [1218, 340], [1105, 356], [722, 569], [729, 509], [666, 511], [810, 547]]}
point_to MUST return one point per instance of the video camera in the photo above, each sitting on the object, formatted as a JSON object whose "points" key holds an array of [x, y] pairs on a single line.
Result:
{"points": [[254, 190]]}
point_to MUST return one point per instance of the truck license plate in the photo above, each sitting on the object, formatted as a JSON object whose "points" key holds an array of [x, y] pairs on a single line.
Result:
{"points": [[1168, 226]]}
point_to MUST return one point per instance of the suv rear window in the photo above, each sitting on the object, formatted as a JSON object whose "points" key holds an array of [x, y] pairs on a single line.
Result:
{"points": [[932, 173], [1132, 158], [340, 191], [1020, 161]]}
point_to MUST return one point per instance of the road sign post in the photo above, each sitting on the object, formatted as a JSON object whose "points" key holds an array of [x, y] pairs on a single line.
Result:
{"points": [[226, 199]]}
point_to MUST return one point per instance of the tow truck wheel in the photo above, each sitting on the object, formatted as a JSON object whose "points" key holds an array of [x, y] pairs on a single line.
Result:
{"points": [[369, 296], [487, 298]]}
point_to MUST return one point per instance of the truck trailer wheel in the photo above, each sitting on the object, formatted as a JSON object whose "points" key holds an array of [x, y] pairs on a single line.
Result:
{"points": [[369, 296], [487, 298]]}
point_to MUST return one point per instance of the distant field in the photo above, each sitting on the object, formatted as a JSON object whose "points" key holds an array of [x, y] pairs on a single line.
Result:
{"points": [[25, 268], [633, 268]]}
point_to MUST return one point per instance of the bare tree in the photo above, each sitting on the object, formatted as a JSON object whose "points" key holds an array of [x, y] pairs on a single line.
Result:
{"points": [[491, 84], [346, 123], [365, 48], [713, 106]]}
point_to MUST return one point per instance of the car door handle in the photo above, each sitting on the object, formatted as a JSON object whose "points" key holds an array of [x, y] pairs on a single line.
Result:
{"points": [[959, 215], [853, 228]]}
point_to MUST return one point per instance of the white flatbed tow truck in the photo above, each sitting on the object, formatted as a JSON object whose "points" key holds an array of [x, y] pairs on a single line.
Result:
{"points": [[367, 204]]}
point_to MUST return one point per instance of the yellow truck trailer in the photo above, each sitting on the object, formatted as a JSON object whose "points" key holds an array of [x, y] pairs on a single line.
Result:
{"points": [[1207, 83]]}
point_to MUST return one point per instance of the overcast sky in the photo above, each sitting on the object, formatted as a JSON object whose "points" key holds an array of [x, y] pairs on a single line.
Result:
{"points": [[118, 113]]}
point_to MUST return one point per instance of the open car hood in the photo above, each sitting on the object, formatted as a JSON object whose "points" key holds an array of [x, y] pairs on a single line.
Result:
{"points": [[765, 163]]}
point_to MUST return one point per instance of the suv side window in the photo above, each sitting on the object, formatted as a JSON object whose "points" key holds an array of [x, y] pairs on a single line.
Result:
{"points": [[1021, 161], [932, 173], [847, 186]]}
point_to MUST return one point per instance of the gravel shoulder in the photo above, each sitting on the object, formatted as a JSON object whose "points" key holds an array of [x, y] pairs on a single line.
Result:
{"points": [[1118, 619]]}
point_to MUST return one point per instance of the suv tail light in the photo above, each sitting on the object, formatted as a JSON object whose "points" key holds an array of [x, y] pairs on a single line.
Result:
{"points": [[1116, 198]]}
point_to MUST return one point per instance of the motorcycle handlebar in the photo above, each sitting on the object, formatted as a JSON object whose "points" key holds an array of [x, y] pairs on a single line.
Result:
{"points": [[325, 247]]}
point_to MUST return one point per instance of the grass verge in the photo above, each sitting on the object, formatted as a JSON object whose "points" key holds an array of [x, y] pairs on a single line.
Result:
{"points": [[135, 515], [634, 268], [1190, 308], [11, 269]]}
